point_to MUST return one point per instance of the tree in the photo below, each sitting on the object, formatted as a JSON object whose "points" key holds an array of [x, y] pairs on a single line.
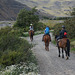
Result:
{"points": [[25, 18], [69, 24], [73, 12]]}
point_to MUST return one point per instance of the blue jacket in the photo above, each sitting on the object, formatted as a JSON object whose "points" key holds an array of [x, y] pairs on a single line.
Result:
{"points": [[47, 30]]}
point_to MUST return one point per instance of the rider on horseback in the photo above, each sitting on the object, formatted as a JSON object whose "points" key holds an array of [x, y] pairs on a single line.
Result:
{"points": [[31, 27], [63, 34], [46, 32], [64, 42]]}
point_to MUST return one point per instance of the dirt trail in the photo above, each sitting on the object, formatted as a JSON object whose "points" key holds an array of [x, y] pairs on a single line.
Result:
{"points": [[49, 62]]}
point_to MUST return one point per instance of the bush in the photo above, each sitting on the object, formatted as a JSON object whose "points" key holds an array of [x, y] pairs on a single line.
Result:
{"points": [[39, 26], [25, 18], [69, 25], [13, 49], [57, 28]]}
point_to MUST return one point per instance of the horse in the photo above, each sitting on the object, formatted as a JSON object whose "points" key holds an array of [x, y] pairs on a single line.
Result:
{"points": [[63, 43], [31, 33], [47, 39]]}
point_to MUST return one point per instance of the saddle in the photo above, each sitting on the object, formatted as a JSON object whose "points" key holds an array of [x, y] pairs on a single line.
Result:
{"points": [[62, 42]]}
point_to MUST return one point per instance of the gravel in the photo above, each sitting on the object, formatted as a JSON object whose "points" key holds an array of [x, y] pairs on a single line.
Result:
{"points": [[48, 61]]}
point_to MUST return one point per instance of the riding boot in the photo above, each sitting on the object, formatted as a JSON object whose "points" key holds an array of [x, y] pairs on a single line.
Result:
{"points": [[43, 38], [57, 43]]}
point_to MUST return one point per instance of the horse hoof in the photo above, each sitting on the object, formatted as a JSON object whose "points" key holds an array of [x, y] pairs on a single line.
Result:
{"points": [[58, 55], [62, 56], [67, 58], [48, 50]]}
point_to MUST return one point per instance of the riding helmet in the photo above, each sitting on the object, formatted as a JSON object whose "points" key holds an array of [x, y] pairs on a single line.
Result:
{"points": [[31, 24], [63, 26]]}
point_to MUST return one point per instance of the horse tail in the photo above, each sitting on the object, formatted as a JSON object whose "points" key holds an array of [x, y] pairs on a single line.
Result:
{"points": [[68, 47], [48, 40]]}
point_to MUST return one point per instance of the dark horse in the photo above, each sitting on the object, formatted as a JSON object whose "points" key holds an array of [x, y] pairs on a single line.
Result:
{"points": [[31, 33], [64, 43], [47, 39]]}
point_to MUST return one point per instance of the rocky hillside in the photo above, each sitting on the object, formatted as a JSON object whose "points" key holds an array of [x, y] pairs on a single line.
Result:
{"points": [[9, 9], [53, 7]]}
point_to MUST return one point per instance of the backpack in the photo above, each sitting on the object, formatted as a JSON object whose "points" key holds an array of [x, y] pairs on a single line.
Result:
{"points": [[65, 33]]}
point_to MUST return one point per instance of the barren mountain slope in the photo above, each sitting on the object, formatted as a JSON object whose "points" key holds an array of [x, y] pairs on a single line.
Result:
{"points": [[9, 9], [53, 7]]}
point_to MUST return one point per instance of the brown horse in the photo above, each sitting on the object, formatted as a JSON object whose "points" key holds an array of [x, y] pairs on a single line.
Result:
{"points": [[31, 33], [65, 45], [47, 39]]}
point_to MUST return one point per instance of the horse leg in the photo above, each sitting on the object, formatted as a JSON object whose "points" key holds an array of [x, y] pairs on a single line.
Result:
{"points": [[66, 54], [59, 52], [62, 53], [47, 48], [68, 49], [30, 37]]}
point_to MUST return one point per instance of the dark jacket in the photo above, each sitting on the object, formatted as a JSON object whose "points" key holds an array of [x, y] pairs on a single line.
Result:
{"points": [[62, 33]]}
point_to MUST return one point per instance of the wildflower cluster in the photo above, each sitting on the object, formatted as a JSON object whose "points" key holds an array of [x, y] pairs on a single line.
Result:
{"points": [[21, 69]]}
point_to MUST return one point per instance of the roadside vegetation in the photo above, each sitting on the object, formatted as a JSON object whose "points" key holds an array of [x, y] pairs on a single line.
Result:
{"points": [[69, 23], [16, 57], [25, 18]]}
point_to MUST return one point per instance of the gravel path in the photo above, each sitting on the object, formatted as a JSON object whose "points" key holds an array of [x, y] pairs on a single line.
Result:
{"points": [[49, 62]]}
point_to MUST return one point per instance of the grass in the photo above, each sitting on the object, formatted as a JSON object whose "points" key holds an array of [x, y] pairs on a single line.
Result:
{"points": [[51, 23], [73, 49], [54, 42], [73, 43]]}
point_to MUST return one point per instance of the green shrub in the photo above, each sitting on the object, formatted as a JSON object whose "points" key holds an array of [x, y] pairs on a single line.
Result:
{"points": [[39, 26], [5, 30], [13, 49], [69, 25], [25, 18], [57, 29]]}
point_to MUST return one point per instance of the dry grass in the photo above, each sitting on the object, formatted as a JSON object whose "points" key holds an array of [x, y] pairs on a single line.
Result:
{"points": [[51, 23], [53, 7], [73, 43]]}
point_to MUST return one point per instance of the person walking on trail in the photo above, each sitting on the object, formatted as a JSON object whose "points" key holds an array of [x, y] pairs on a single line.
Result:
{"points": [[31, 27], [46, 32]]}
